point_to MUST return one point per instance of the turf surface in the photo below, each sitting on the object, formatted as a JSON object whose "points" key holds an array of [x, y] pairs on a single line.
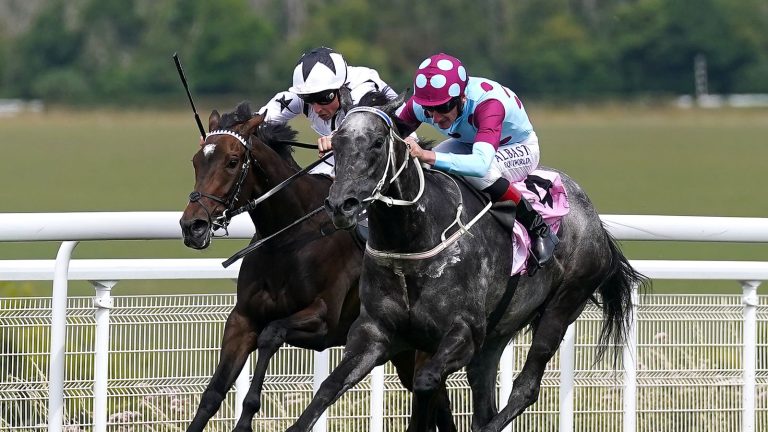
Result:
{"points": [[630, 160]]}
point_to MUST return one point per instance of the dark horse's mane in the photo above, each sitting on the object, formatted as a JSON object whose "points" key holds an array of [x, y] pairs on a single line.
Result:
{"points": [[373, 99], [380, 100], [275, 135]]}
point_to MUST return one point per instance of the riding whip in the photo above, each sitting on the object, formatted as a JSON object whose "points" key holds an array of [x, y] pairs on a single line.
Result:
{"points": [[189, 95]]}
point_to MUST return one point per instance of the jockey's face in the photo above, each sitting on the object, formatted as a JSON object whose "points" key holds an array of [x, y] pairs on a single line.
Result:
{"points": [[327, 111], [444, 120]]}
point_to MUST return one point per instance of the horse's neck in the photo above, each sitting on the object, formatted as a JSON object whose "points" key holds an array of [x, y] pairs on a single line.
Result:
{"points": [[406, 186], [416, 227], [295, 200]]}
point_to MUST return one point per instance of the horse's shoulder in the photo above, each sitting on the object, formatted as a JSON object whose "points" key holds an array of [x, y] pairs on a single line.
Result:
{"points": [[449, 186]]}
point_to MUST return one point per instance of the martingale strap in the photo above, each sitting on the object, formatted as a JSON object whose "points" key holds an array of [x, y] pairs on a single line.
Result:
{"points": [[464, 229]]}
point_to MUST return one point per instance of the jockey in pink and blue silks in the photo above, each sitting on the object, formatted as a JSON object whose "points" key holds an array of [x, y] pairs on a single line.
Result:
{"points": [[491, 140]]}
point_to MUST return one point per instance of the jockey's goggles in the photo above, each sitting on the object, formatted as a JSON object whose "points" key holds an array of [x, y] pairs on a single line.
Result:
{"points": [[321, 98], [443, 108]]}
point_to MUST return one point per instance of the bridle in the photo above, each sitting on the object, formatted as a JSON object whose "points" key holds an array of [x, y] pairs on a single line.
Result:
{"points": [[377, 196], [234, 192]]}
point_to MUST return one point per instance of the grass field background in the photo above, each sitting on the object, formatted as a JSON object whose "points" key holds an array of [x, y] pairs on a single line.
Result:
{"points": [[629, 159]]}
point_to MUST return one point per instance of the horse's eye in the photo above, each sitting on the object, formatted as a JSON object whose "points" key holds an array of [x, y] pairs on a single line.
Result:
{"points": [[232, 163], [379, 142]]}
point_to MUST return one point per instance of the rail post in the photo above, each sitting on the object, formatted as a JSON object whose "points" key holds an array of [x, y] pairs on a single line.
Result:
{"points": [[103, 304], [567, 357], [322, 360], [629, 358], [750, 301], [377, 399], [58, 337], [506, 377]]}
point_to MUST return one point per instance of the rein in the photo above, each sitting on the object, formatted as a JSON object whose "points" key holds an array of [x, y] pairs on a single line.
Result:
{"points": [[255, 245], [377, 196], [298, 144], [250, 205], [230, 212]]}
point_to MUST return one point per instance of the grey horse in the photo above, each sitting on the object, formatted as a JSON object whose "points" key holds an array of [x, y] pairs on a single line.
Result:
{"points": [[456, 299]]}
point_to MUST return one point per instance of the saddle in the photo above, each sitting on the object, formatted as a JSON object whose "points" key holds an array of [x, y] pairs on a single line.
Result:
{"points": [[545, 191]]}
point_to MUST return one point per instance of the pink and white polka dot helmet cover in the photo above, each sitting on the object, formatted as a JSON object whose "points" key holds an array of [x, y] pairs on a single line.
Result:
{"points": [[438, 79]]}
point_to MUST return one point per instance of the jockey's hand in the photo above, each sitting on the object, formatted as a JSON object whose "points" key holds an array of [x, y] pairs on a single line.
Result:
{"points": [[425, 156], [324, 145]]}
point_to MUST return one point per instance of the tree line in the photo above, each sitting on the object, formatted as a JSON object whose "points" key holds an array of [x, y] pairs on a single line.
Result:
{"points": [[114, 50]]}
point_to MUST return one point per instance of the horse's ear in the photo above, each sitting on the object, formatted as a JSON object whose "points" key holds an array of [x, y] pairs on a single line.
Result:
{"points": [[395, 103], [253, 123], [213, 120]]}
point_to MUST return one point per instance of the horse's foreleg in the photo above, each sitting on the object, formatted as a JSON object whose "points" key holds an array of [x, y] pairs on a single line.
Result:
{"points": [[454, 352], [439, 406], [307, 326], [431, 411], [481, 375], [526, 387], [366, 349], [237, 343]]}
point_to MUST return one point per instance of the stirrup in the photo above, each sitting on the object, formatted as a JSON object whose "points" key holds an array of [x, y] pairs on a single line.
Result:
{"points": [[531, 264], [534, 262]]}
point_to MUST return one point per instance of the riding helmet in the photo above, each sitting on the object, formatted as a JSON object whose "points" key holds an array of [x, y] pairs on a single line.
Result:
{"points": [[438, 79], [318, 70]]}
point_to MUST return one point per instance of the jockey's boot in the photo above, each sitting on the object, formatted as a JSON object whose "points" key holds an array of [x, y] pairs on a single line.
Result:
{"points": [[543, 240]]}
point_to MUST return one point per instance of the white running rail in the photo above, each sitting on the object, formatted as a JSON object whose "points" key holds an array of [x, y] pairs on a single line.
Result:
{"points": [[70, 228]]}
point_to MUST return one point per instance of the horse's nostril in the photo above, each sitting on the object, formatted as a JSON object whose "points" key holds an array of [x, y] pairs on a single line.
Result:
{"points": [[350, 204], [199, 227]]}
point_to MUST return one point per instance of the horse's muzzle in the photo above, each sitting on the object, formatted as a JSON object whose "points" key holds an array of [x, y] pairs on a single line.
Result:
{"points": [[344, 216], [196, 232]]}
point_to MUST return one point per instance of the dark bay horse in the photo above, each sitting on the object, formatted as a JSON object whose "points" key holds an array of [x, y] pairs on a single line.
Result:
{"points": [[301, 287], [455, 302]]}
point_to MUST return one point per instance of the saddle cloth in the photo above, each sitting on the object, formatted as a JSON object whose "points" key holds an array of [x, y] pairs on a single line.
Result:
{"points": [[546, 193]]}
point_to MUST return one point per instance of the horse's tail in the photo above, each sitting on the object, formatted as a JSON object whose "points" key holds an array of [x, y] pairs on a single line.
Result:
{"points": [[616, 300]]}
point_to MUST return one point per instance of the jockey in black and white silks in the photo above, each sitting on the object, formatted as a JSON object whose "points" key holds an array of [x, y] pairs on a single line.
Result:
{"points": [[324, 89]]}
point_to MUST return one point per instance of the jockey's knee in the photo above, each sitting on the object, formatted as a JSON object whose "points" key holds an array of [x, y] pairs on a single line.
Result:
{"points": [[497, 189]]}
